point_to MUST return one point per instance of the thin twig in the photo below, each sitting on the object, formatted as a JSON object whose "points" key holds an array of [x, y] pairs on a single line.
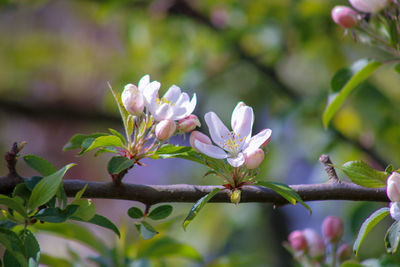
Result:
{"points": [[329, 168]]}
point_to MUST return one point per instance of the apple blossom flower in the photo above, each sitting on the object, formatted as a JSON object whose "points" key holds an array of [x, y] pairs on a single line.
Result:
{"points": [[369, 6], [393, 187], [332, 228], [344, 16], [132, 96], [298, 241], [232, 145], [395, 210], [165, 129], [200, 137], [188, 124], [174, 105], [253, 159]]}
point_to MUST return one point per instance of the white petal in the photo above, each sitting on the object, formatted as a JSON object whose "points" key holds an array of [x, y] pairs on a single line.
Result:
{"points": [[173, 93], [182, 100], [236, 161], [243, 121], [164, 112], [210, 150], [150, 92], [234, 113], [257, 140], [188, 109], [395, 210], [216, 128], [143, 82]]}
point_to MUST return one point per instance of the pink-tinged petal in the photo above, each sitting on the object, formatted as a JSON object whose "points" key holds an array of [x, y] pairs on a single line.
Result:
{"points": [[143, 82], [236, 161], [173, 94], [243, 122], [235, 113], [164, 112], [150, 92], [210, 150], [257, 140], [216, 128]]}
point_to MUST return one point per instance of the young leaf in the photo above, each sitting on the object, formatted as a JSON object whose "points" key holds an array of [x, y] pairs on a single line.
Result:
{"points": [[161, 212], [39, 164], [119, 164], [182, 152], [362, 174], [121, 108], [76, 141], [198, 206], [344, 82], [146, 230], [86, 209], [14, 246], [32, 247], [392, 237], [101, 221], [80, 193], [367, 225], [285, 191], [389, 169], [56, 215], [135, 213], [47, 188], [351, 263], [102, 141], [116, 133], [14, 204]]}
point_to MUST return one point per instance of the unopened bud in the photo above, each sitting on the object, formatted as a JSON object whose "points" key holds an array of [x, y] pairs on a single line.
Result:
{"points": [[332, 228], [165, 129], [254, 158], [344, 252], [199, 136], [369, 6], [344, 16], [132, 99], [395, 210], [235, 196], [188, 124], [316, 245], [298, 241], [393, 187]]}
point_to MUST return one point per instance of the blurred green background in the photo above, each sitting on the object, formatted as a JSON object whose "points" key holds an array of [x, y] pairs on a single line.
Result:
{"points": [[278, 56]]}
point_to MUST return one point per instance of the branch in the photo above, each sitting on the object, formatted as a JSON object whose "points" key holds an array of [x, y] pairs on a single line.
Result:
{"points": [[153, 194]]}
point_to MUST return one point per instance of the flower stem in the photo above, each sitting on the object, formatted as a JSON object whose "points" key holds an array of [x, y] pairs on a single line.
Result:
{"points": [[333, 255]]}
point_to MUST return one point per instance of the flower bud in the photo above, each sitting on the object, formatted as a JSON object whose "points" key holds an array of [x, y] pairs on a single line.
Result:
{"points": [[188, 124], [344, 252], [369, 6], [132, 99], [332, 228], [395, 210], [165, 129], [344, 16], [297, 240], [196, 135], [254, 158], [393, 187], [316, 245], [235, 196]]}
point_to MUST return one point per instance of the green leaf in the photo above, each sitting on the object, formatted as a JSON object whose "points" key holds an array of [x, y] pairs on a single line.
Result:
{"points": [[167, 247], [161, 212], [367, 225], [75, 232], [389, 169], [198, 206], [56, 215], [14, 246], [79, 194], [32, 247], [77, 140], [21, 191], [392, 237], [106, 149], [397, 68], [182, 152], [344, 82], [362, 174], [117, 134], [351, 263], [86, 209], [135, 213], [49, 260], [14, 204], [47, 188], [285, 191], [102, 141], [118, 164], [39, 164], [146, 230], [32, 182], [103, 222], [126, 118]]}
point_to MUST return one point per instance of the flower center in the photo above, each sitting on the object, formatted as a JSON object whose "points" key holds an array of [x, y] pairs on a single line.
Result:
{"points": [[163, 100], [232, 142]]}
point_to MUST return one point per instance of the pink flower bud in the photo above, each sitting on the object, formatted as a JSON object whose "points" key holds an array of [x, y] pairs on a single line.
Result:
{"points": [[196, 135], [369, 6], [298, 241], [344, 252], [188, 124], [253, 159], [316, 245], [165, 129], [393, 187], [344, 16], [395, 210], [332, 228], [132, 99]]}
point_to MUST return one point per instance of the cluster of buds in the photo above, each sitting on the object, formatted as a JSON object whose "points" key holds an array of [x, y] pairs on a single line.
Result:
{"points": [[393, 193], [155, 120], [309, 248], [368, 18]]}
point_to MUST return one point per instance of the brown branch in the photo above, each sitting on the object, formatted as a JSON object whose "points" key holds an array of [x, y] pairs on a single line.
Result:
{"points": [[153, 194]]}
